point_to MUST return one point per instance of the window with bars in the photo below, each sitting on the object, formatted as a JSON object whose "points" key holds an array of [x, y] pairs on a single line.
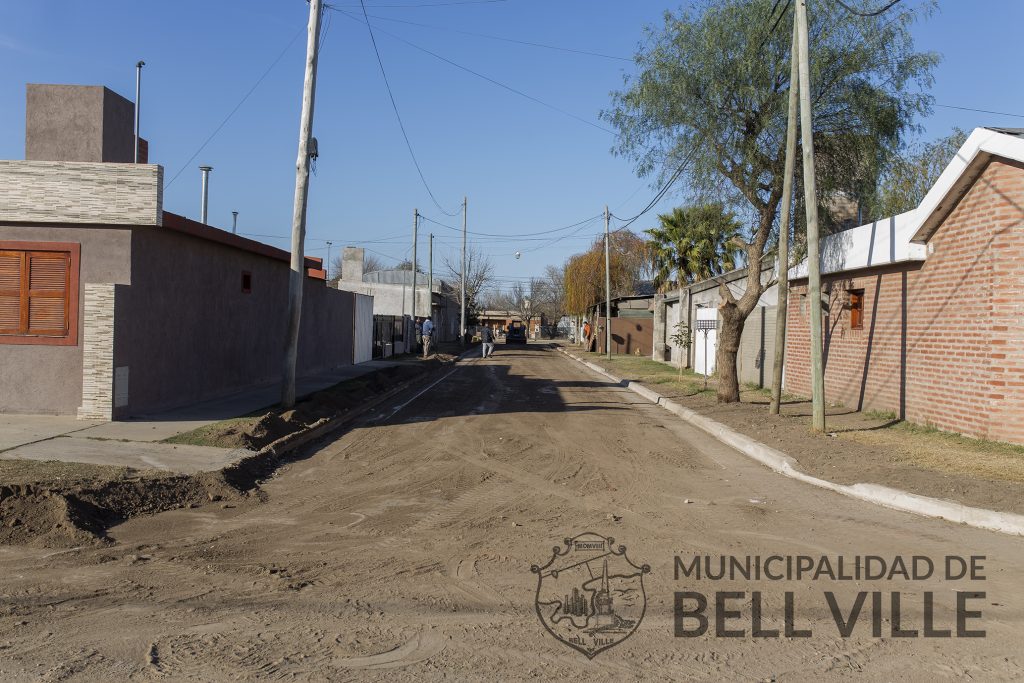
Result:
{"points": [[38, 293]]}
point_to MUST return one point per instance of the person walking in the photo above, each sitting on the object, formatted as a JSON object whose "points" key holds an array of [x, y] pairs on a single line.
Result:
{"points": [[428, 336], [487, 342]]}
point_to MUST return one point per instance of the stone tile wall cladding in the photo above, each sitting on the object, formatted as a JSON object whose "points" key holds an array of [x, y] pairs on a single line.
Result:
{"points": [[81, 192], [942, 342], [97, 352]]}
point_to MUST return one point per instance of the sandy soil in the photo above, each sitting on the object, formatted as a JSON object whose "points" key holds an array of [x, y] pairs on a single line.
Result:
{"points": [[402, 551], [857, 447]]}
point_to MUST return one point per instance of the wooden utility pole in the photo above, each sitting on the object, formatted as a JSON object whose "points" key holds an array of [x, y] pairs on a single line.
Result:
{"points": [[298, 260], [415, 228], [787, 201], [462, 324], [430, 279], [811, 202], [607, 288]]}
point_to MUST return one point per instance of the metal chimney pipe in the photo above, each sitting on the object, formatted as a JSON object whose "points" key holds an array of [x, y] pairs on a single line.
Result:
{"points": [[206, 190], [138, 103], [234, 221]]}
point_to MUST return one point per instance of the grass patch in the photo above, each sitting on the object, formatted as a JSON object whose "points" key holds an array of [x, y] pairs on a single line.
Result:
{"points": [[55, 471], [885, 415], [209, 435], [929, 448]]}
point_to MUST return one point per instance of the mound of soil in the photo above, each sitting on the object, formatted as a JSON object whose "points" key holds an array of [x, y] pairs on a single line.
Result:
{"points": [[79, 513], [262, 430]]}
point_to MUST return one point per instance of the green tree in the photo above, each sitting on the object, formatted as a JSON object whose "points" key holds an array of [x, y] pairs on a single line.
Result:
{"points": [[907, 179], [708, 104], [693, 243]]}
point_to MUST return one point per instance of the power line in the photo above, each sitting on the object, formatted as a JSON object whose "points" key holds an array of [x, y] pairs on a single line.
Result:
{"points": [[433, 4], [478, 75], [237, 106], [980, 111], [519, 235], [394, 105], [873, 13], [501, 38]]}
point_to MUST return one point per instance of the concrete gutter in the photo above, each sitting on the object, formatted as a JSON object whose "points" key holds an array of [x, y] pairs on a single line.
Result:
{"points": [[1003, 522]]}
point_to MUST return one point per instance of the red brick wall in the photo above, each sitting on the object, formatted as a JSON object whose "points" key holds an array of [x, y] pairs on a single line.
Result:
{"points": [[942, 342]]}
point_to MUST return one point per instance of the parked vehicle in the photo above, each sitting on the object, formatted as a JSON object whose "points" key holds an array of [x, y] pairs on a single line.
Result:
{"points": [[516, 333]]}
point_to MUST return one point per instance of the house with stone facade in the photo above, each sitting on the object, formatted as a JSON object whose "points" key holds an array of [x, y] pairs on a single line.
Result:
{"points": [[923, 313], [111, 306]]}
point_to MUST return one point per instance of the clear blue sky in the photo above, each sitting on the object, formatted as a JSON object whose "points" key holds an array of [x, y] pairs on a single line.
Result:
{"points": [[524, 167]]}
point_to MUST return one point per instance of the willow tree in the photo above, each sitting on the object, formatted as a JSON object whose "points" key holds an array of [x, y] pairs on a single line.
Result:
{"points": [[629, 265], [708, 102]]}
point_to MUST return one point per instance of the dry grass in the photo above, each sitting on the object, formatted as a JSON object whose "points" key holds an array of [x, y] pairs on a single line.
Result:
{"points": [[54, 471], [931, 449]]}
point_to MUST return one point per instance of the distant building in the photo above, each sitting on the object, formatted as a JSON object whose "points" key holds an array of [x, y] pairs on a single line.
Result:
{"points": [[392, 292]]}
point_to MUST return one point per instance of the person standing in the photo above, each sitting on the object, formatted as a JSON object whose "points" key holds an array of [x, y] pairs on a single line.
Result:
{"points": [[487, 342], [428, 336]]}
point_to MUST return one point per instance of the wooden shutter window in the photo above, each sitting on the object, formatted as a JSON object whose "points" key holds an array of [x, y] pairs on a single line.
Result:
{"points": [[39, 293], [48, 293], [857, 309], [10, 291]]}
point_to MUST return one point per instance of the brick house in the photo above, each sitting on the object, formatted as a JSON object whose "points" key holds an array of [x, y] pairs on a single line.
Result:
{"points": [[925, 310], [112, 307]]}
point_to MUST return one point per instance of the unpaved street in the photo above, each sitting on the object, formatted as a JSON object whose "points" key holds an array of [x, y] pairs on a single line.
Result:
{"points": [[402, 551]]}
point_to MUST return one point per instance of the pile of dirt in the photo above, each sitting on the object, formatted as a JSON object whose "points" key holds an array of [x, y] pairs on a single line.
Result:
{"points": [[79, 513], [261, 430]]}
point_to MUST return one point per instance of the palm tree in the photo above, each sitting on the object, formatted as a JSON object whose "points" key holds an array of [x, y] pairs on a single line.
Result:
{"points": [[693, 243]]}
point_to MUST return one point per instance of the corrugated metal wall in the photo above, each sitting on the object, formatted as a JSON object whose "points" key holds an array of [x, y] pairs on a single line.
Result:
{"points": [[362, 331]]}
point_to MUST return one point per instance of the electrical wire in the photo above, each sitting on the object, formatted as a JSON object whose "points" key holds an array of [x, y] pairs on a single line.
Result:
{"points": [[477, 74], [394, 105], [775, 25], [503, 39], [873, 13], [433, 4], [237, 107], [519, 235], [980, 111]]}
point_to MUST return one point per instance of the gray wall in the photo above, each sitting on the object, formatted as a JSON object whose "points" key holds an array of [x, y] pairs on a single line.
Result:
{"points": [[48, 379], [187, 332], [78, 123]]}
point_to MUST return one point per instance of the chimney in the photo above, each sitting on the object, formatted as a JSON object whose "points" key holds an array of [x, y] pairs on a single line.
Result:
{"points": [[352, 264]]}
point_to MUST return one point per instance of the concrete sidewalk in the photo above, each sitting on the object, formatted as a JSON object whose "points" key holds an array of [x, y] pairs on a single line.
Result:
{"points": [[136, 442]]}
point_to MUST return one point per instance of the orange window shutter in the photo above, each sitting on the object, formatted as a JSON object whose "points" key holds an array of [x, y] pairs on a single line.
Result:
{"points": [[48, 274], [11, 293]]}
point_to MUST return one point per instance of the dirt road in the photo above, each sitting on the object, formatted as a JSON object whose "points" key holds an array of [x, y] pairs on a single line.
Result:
{"points": [[402, 551]]}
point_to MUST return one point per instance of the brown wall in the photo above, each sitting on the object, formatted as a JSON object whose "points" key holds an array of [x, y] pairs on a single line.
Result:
{"points": [[188, 332], [941, 341], [629, 336], [78, 123], [48, 379]]}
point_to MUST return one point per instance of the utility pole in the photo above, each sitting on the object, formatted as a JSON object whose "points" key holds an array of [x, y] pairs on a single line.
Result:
{"points": [[787, 200], [138, 103], [811, 202], [234, 222], [415, 227], [298, 260], [206, 193], [329, 243], [430, 279], [462, 325], [607, 288]]}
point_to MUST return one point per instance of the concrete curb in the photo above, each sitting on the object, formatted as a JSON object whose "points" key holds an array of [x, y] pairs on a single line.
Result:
{"points": [[990, 520]]}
